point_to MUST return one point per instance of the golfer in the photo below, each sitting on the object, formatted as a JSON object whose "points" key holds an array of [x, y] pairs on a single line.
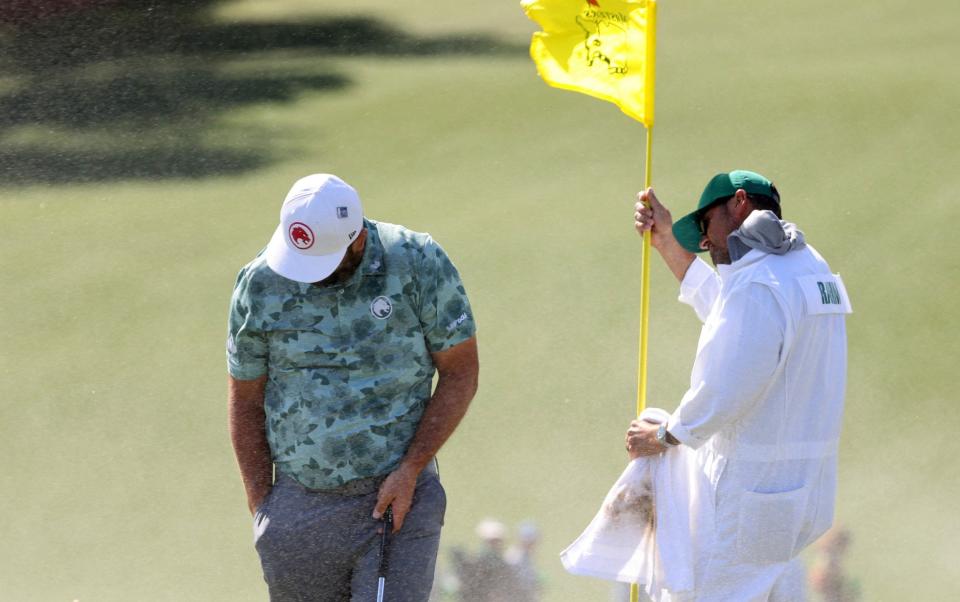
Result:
{"points": [[765, 402], [335, 332]]}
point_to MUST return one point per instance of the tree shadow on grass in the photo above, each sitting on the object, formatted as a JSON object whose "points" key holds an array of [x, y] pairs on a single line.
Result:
{"points": [[132, 90], [146, 97]]}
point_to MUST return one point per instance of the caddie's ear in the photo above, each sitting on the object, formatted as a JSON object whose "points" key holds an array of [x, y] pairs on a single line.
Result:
{"points": [[742, 205]]}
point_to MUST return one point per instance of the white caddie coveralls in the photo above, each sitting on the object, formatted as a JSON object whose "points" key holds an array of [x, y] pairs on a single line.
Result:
{"points": [[764, 412]]}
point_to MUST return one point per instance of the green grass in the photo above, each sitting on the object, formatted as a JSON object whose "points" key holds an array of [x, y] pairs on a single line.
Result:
{"points": [[119, 482]]}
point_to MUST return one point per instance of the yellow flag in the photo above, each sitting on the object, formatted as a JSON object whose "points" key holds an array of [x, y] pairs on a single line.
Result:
{"points": [[604, 48]]}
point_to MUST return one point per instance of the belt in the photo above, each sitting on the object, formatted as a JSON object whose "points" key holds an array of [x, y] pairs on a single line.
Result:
{"points": [[363, 486], [368, 485]]}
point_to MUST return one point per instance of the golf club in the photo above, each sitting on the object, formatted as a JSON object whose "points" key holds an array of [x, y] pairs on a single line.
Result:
{"points": [[384, 550]]}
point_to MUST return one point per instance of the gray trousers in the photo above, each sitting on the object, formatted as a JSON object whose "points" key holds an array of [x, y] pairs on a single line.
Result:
{"points": [[324, 547]]}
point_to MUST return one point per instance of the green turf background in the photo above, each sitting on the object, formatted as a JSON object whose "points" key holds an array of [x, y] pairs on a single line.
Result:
{"points": [[118, 480]]}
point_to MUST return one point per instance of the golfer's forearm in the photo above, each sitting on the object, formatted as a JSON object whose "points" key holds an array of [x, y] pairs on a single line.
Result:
{"points": [[444, 412], [252, 451], [248, 436]]}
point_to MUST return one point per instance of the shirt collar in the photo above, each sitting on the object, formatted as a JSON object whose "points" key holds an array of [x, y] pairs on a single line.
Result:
{"points": [[373, 254], [728, 269]]}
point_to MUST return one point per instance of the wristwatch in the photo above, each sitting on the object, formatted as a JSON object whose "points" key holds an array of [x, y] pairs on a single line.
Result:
{"points": [[663, 437]]}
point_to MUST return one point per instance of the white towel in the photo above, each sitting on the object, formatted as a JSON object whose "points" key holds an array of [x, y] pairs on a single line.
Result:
{"points": [[645, 530]]}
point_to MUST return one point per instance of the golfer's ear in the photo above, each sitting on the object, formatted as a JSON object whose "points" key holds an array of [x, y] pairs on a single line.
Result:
{"points": [[360, 240]]}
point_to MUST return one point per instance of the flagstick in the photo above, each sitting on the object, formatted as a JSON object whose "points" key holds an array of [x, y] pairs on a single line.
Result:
{"points": [[645, 288], [644, 310]]}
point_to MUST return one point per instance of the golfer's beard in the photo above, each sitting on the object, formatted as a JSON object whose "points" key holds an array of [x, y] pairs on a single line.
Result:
{"points": [[720, 256], [346, 269]]}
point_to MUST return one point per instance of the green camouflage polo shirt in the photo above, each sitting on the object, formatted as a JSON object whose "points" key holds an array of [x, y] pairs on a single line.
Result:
{"points": [[348, 366]]}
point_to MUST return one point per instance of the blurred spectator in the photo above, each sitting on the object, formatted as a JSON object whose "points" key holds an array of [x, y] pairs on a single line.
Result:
{"points": [[486, 576], [445, 585], [520, 557], [827, 575]]}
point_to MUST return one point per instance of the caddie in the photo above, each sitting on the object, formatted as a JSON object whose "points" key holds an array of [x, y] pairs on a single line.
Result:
{"points": [[336, 330], [765, 402]]}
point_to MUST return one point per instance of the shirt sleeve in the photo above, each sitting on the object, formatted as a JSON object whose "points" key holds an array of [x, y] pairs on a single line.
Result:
{"points": [[246, 344], [736, 359], [700, 287], [445, 314]]}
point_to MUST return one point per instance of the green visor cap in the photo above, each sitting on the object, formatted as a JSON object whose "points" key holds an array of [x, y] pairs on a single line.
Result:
{"points": [[721, 187]]}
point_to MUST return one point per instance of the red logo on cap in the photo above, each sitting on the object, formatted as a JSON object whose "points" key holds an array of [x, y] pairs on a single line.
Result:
{"points": [[301, 236], [593, 3]]}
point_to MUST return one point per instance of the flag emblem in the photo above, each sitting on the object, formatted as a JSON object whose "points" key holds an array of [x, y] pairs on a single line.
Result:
{"points": [[605, 44]]}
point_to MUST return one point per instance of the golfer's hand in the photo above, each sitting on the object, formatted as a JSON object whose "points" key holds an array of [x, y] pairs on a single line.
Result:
{"points": [[656, 218], [642, 439], [397, 491]]}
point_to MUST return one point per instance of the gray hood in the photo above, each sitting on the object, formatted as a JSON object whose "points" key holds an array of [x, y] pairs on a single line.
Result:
{"points": [[762, 230]]}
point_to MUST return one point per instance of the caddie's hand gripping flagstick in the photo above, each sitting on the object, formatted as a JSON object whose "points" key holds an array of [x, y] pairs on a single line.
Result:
{"points": [[384, 552]]}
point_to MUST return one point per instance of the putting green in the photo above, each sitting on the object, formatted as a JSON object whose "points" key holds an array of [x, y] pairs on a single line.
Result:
{"points": [[120, 483]]}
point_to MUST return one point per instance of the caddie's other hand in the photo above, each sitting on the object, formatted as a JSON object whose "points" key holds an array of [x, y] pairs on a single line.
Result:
{"points": [[397, 491], [656, 218], [641, 439]]}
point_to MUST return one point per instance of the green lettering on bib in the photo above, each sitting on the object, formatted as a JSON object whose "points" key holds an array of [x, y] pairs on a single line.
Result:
{"points": [[829, 293]]}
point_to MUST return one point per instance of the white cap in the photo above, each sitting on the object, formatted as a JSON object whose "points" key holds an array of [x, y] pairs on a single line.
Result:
{"points": [[490, 529], [319, 219]]}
